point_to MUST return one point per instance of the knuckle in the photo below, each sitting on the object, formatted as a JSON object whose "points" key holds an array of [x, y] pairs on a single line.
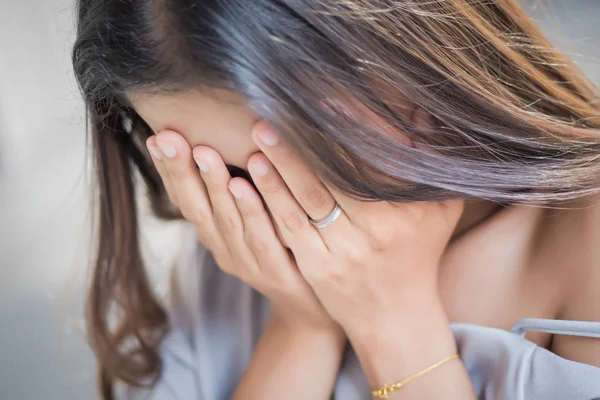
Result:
{"points": [[244, 276], [226, 223], [328, 273], [381, 237], [251, 210], [226, 267], [315, 198], [222, 260], [270, 185], [257, 242], [195, 216], [295, 221], [204, 239], [357, 254], [209, 238], [335, 276], [242, 272]]}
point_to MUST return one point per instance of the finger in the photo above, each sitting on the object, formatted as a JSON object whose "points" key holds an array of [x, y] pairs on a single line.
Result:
{"points": [[352, 207], [277, 230], [224, 209], [157, 159], [287, 212], [310, 192], [191, 193], [260, 234]]}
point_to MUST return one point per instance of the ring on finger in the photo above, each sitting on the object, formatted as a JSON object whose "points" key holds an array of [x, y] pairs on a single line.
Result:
{"points": [[329, 219]]}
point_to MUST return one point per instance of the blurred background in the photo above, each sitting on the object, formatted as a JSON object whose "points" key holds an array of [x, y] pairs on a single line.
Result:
{"points": [[45, 183]]}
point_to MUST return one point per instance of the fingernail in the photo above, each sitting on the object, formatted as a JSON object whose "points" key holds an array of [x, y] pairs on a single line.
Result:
{"points": [[259, 168], [155, 152], [203, 165], [268, 137], [235, 192], [167, 148]]}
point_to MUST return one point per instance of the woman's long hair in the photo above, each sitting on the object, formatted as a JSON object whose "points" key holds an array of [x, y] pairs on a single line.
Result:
{"points": [[513, 120]]}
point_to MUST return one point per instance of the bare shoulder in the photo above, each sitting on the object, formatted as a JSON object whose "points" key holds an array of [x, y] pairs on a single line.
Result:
{"points": [[577, 235]]}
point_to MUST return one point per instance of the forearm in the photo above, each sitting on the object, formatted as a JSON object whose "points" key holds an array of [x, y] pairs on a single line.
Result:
{"points": [[292, 363], [407, 343]]}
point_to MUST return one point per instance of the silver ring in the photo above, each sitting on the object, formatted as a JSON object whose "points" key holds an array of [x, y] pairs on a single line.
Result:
{"points": [[328, 220]]}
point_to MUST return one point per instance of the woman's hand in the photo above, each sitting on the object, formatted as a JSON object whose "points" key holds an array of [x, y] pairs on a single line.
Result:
{"points": [[377, 258], [374, 269], [239, 232]]}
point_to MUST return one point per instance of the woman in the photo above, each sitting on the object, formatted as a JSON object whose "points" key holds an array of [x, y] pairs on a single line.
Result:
{"points": [[422, 178]]}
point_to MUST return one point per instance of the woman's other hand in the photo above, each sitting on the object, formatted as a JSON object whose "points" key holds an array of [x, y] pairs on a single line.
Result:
{"points": [[377, 259], [374, 269]]}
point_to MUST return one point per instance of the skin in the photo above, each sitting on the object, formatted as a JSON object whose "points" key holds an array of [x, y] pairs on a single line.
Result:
{"points": [[486, 265]]}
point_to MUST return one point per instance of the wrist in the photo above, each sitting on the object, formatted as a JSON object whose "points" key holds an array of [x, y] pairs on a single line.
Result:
{"points": [[300, 330], [404, 342]]}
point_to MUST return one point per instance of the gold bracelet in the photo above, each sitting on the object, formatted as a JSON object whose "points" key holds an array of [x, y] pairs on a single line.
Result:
{"points": [[386, 389]]}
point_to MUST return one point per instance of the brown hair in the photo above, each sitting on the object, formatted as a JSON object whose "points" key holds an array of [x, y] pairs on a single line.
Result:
{"points": [[513, 119]]}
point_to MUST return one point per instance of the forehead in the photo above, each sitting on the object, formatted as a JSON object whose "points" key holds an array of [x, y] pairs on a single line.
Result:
{"points": [[216, 118]]}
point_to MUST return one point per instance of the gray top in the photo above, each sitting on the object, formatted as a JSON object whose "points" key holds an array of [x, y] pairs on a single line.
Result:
{"points": [[217, 320]]}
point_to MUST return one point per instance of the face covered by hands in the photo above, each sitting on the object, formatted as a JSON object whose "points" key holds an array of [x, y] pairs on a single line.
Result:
{"points": [[376, 258]]}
